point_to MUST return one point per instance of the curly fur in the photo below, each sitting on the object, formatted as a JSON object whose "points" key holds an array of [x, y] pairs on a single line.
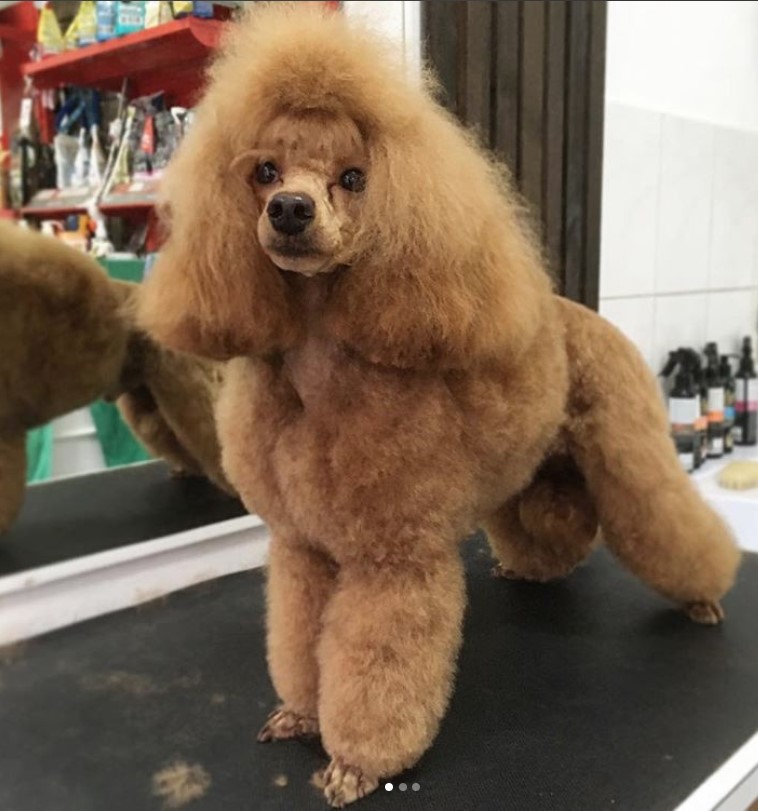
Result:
{"points": [[170, 401], [421, 383], [68, 337], [61, 344]]}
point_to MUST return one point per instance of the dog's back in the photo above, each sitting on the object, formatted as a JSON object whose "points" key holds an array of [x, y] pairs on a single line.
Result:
{"points": [[62, 342]]}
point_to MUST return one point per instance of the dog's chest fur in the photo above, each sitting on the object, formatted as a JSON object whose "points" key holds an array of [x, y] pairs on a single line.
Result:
{"points": [[310, 369], [315, 368]]}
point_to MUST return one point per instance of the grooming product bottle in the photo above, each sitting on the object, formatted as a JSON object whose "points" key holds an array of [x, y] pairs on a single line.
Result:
{"points": [[683, 410], [746, 398], [692, 359], [106, 20], [715, 402], [729, 400]]}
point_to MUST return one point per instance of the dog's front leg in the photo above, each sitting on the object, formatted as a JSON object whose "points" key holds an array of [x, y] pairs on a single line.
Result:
{"points": [[387, 656], [300, 581]]}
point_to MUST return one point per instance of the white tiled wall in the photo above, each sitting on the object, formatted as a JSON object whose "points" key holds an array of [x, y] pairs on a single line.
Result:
{"points": [[679, 249]]}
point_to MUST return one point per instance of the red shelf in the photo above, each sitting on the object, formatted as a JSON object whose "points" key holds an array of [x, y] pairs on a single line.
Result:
{"points": [[7, 214], [12, 33], [52, 203], [168, 57], [136, 197]]}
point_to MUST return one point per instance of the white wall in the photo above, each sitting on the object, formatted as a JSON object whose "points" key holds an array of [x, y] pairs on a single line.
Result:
{"points": [[398, 19], [694, 59], [679, 244]]}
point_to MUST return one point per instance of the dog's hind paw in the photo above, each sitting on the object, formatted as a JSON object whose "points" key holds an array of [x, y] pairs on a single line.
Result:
{"points": [[283, 725], [705, 613], [498, 570], [343, 784]]}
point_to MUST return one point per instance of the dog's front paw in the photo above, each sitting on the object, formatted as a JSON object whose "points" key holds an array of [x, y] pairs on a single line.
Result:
{"points": [[705, 612], [343, 784], [283, 725]]}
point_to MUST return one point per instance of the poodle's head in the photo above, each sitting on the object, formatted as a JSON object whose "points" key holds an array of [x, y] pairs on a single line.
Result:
{"points": [[313, 153], [308, 174]]}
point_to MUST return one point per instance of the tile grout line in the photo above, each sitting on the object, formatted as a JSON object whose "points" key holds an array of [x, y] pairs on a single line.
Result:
{"points": [[747, 289]]}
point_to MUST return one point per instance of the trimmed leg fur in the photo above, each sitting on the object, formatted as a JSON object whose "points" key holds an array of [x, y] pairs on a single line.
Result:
{"points": [[300, 581], [387, 654], [543, 533], [652, 515]]}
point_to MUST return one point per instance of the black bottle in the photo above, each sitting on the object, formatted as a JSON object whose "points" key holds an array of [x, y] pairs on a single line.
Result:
{"points": [[729, 399], [683, 410], [746, 398], [691, 358], [715, 401]]}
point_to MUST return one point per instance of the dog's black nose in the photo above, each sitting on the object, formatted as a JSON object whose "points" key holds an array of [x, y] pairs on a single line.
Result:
{"points": [[291, 213]]}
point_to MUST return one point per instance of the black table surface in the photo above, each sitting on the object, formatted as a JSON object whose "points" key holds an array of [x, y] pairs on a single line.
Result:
{"points": [[67, 518], [588, 694]]}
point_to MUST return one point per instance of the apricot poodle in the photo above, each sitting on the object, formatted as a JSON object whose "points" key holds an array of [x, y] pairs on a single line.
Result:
{"points": [[401, 374], [68, 337], [169, 402]]}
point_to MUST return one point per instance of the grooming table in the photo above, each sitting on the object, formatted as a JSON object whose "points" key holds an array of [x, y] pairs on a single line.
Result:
{"points": [[584, 695], [80, 515]]}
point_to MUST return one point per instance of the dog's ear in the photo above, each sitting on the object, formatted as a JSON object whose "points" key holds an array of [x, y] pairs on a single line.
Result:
{"points": [[213, 291], [449, 273]]}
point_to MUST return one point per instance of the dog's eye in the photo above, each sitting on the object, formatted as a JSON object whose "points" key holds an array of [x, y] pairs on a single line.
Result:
{"points": [[266, 173], [353, 180]]}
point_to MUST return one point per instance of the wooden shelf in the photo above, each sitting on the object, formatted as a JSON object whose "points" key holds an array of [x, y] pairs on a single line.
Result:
{"points": [[169, 57]]}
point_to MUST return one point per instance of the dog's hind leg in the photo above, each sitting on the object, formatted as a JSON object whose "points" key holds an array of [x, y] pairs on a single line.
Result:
{"points": [[12, 478], [300, 582], [545, 531], [652, 516]]}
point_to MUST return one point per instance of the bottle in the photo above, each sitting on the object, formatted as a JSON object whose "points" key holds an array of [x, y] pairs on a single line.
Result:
{"points": [[714, 402], [130, 16], [683, 409], [106, 20], [729, 399], [695, 368], [202, 9], [746, 398], [80, 176]]}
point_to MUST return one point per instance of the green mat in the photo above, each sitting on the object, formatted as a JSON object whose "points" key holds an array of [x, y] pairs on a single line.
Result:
{"points": [[39, 454], [120, 446]]}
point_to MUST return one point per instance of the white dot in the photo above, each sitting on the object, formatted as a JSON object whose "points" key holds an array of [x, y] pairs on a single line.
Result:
{"points": [[402, 787], [388, 786], [415, 786]]}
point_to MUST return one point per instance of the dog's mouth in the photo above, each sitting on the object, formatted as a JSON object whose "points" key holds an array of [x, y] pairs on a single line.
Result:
{"points": [[294, 251], [299, 256]]}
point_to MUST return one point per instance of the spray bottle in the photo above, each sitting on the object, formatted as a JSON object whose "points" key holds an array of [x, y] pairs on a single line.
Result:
{"points": [[746, 398], [683, 409], [729, 399], [715, 402], [695, 368]]}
